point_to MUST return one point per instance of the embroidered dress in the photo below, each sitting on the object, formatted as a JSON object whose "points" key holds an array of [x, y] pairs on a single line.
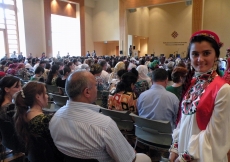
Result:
{"points": [[191, 140]]}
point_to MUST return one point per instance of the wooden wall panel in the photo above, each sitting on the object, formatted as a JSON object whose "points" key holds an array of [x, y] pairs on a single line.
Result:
{"points": [[63, 8], [48, 34], [197, 10]]}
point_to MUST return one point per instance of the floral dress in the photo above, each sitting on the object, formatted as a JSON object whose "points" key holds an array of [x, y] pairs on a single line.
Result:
{"points": [[123, 101]]}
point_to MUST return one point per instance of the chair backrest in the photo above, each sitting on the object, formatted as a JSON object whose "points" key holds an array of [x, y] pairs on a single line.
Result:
{"points": [[51, 108], [9, 136], [52, 89], [104, 97], [122, 118], [41, 151], [59, 99], [63, 91], [72, 159], [158, 132]]}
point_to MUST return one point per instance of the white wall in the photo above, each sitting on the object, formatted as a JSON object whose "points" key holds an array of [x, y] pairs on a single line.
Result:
{"points": [[106, 20], [34, 26], [89, 46]]}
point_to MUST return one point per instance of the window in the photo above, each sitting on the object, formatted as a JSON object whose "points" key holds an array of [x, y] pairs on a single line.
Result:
{"points": [[8, 25], [65, 37]]}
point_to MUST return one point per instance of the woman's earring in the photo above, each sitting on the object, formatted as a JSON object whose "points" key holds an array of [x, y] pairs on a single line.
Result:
{"points": [[215, 65]]}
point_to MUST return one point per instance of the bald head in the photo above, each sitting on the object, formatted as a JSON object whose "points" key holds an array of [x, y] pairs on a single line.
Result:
{"points": [[77, 82]]}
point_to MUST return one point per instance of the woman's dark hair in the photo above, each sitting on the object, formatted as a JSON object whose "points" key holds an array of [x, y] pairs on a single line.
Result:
{"points": [[53, 70], [39, 69], [7, 82], [121, 72], [95, 69], [69, 64], [66, 70], [47, 66], [191, 71], [135, 72], [170, 75], [126, 64], [24, 100], [125, 84]]}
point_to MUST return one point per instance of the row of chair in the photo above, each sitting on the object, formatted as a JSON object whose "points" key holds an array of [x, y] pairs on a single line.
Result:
{"points": [[153, 133], [158, 132]]}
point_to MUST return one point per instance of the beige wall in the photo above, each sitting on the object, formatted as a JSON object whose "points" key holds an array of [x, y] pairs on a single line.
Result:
{"points": [[89, 46], [106, 48], [158, 23], [164, 20], [138, 22], [106, 20], [216, 18], [136, 42], [34, 26], [143, 47]]}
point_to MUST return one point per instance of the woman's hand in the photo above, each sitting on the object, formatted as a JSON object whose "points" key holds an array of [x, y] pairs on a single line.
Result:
{"points": [[173, 156]]}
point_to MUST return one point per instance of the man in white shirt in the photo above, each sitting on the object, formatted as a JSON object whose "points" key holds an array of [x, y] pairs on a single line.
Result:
{"points": [[104, 73], [79, 130], [13, 55]]}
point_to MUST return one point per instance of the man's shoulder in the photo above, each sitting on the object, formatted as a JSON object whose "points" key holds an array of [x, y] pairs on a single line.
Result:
{"points": [[171, 96], [86, 116]]}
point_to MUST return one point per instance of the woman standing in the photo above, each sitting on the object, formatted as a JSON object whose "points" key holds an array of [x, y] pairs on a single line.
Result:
{"points": [[202, 135]]}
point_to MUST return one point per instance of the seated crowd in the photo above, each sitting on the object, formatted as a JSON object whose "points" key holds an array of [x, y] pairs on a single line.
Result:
{"points": [[149, 86]]}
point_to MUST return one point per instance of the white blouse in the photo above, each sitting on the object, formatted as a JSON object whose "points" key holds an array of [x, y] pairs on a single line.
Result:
{"points": [[212, 144]]}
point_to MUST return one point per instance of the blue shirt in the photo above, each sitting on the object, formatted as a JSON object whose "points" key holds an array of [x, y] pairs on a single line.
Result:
{"points": [[158, 104]]}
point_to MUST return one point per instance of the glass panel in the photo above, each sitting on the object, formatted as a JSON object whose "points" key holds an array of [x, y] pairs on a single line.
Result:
{"points": [[2, 45], [11, 27], [11, 32], [13, 46], [1, 13], [61, 33], [2, 21], [10, 17], [13, 22], [2, 26], [13, 41], [10, 2], [9, 12], [12, 36], [13, 49]]}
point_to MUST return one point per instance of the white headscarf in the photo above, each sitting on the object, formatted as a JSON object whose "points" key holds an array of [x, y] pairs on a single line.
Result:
{"points": [[143, 71]]}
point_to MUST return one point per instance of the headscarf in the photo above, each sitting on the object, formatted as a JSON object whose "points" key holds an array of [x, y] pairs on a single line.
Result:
{"points": [[119, 66], [143, 71]]}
